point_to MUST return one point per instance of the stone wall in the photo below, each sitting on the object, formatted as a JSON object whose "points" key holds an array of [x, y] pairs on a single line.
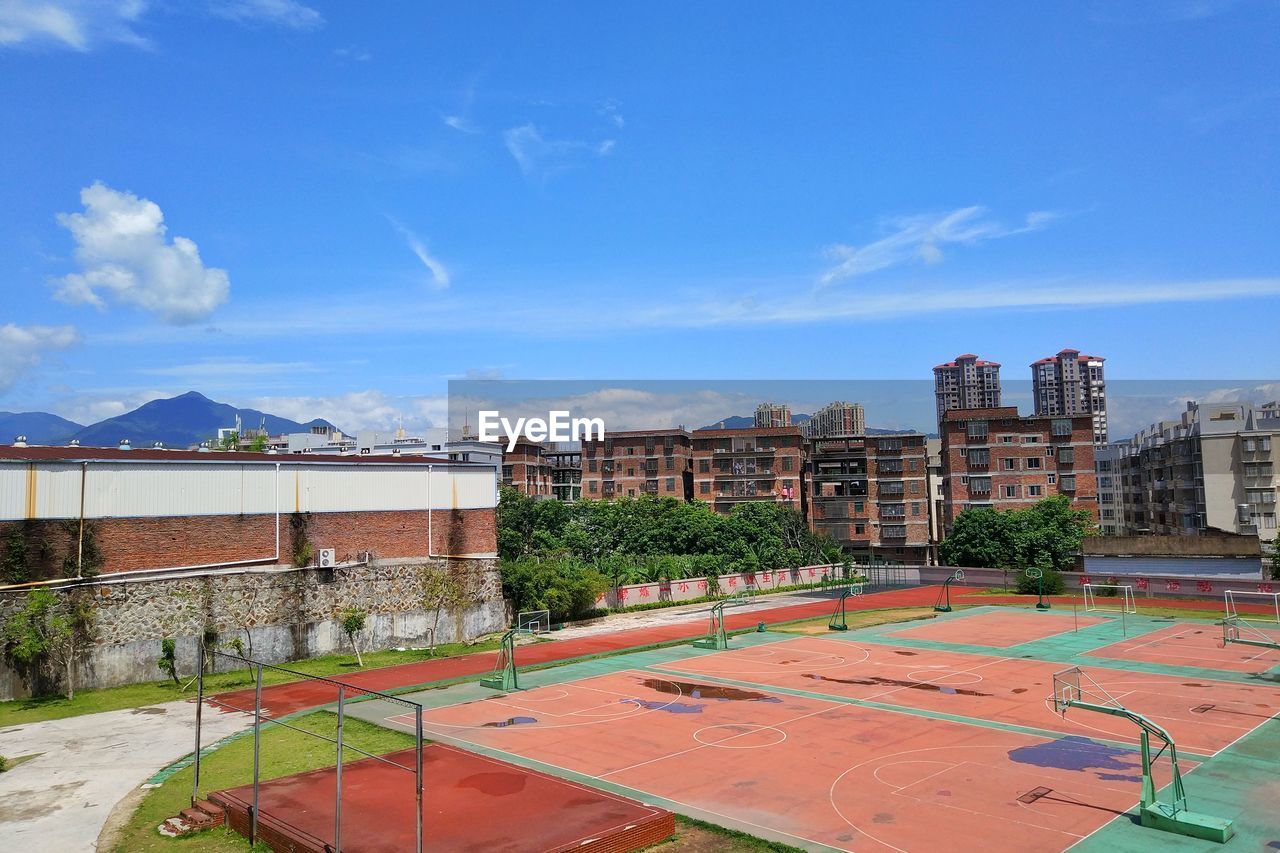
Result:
{"points": [[280, 613]]}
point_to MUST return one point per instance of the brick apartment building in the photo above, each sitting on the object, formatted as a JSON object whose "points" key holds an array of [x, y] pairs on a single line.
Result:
{"points": [[733, 466], [870, 493], [655, 462], [566, 472], [527, 470], [996, 458]]}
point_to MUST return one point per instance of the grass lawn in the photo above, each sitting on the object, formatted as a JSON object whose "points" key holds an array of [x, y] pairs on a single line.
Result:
{"points": [[17, 711], [283, 753]]}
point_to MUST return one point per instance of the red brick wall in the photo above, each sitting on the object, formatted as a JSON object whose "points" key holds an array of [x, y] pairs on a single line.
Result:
{"points": [[129, 544]]}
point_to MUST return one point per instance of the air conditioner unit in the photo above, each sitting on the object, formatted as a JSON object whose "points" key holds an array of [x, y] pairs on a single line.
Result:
{"points": [[328, 558]]}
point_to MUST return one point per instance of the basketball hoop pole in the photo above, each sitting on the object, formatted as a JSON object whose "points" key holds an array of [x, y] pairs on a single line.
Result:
{"points": [[1038, 575], [1169, 817]]}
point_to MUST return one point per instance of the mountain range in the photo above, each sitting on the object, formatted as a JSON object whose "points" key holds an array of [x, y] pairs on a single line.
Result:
{"points": [[181, 421]]}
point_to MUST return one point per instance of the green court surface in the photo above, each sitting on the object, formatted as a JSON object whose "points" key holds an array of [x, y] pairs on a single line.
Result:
{"points": [[948, 681]]}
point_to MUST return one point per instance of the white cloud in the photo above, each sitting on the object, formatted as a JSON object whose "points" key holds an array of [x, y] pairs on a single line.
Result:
{"points": [[282, 13], [89, 408], [439, 275], [77, 24], [235, 368], [23, 347], [124, 255], [609, 110], [354, 53], [922, 238], [539, 157], [359, 410], [461, 124]]}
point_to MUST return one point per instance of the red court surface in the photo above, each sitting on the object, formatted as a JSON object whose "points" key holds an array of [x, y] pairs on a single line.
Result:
{"points": [[1203, 716], [282, 699], [1198, 645], [998, 630], [470, 803], [809, 770]]}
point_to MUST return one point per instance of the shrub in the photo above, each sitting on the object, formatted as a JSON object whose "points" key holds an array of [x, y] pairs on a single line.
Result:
{"points": [[4, 764], [1053, 584], [168, 662], [565, 586]]}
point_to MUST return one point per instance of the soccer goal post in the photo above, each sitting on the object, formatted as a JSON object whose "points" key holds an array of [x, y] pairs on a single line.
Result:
{"points": [[1270, 599], [1109, 598]]}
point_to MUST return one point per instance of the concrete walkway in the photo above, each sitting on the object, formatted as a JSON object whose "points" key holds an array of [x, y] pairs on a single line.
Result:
{"points": [[61, 799]]}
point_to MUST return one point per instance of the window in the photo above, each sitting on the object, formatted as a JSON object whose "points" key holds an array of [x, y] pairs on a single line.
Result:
{"points": [[1033, 463], [1009, 463], [979, 458], [1010, 491], [1067, 483], [1035, 491], [1261, 469], [591, 465], [591, 486], [977, 430], [704, 487], [1008, 439], [1031, 439], [631, 472], [860, 529], [915, 509], [1260, 496], [671, 463], [704, 466], [1066, 455], [786, 463], [1060, 427], [631, 493], [671, 484], [980, 485], [858, 506], [631, 451], [1108, 513]]}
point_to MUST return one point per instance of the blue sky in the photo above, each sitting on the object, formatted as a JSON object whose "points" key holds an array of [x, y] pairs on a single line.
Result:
{"points": [[330, 209]]}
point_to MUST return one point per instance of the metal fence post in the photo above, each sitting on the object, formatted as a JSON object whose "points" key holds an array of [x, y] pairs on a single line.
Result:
{"points": [[257, 741], [337, 809], [195, 784], [418, 737]]}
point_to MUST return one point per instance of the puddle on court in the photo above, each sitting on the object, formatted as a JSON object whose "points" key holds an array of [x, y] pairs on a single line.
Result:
{"points": [[669, 707], [495, 783], [879, 681], [510, 721], [718, 692], [908, 654], [1084, 754]]}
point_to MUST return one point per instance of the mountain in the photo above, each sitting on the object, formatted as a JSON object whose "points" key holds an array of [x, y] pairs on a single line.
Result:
{"points": [[38, 427], [182, 421], [741, 422]]}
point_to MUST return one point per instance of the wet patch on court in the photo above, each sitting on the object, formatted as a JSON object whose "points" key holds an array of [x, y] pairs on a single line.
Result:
{"points": [[718, 692], [1083, 754], [669, 707], [495, 784], [879, 681]]}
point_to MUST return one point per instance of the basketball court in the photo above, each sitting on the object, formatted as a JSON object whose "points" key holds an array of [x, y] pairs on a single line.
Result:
{"points": [[1196, 645], [998, 629]]}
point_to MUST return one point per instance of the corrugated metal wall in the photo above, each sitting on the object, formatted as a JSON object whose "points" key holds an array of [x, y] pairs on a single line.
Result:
{"points": [[141, 489]]}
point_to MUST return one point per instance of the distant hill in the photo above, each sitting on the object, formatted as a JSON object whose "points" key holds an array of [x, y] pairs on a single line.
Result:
{"points": [[182, 421], [38, 427]]}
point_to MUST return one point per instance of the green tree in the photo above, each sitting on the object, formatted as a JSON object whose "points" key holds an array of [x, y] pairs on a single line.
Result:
{"points": [[260, 443], [352, 621], [48, 634], [1275, 559], [168, 661], [1046, 536]]}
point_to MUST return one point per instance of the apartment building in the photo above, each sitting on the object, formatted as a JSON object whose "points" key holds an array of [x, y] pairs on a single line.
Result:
{"points": [[526, 470], [1070, 384], [655, 462], [773, 415], [566, 471], [732, 466], [1213, 469], [966, 383], [836, 419], [870, 493], [996, 458], [933, 447]]}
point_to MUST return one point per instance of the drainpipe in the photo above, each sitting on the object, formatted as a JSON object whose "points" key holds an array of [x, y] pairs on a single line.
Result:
{"points": [[84, 473], [430, 539], [277, 512]]}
